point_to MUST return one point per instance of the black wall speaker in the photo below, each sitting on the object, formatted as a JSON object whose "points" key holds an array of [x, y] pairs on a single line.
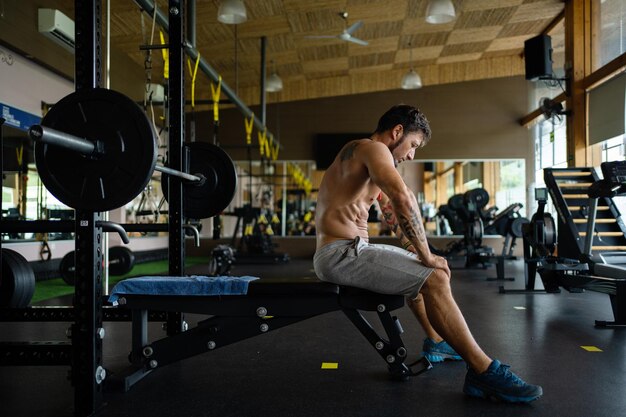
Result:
{"points": [[538, 57]]}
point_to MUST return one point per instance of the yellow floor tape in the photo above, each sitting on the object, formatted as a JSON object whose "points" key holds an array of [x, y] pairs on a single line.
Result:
{"points": [[330, 365], [591, 349]]}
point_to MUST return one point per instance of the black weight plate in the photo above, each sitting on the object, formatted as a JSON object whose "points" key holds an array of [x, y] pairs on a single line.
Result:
{"points": [[28, 282], [478, 196], [475, 232], [19, 265], [121, 260], [17, 283], [67, 267], [130, 151], [10, 271], [517, 226], [217, 191], [549, 232], [456, 202]]}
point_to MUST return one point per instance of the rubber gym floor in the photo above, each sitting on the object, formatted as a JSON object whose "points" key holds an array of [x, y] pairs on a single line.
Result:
{"points": [[549, 339]]}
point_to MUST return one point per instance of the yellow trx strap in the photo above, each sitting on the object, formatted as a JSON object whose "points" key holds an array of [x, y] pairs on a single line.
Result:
{"points": [[268, 230], [19, 153], [166, 59], [248, 230], [275, 219], [192, 74], [275, 152], [268, 146], [262, 219], [307, 216], [215, 93], [262, 139], [249, 126]]}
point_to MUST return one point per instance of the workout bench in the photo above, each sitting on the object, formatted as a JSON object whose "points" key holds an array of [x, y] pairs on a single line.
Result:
{"points": [[268, 305]]}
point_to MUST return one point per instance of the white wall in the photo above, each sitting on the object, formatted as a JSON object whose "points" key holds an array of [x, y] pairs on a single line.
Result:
{"points": [[24, 84]]}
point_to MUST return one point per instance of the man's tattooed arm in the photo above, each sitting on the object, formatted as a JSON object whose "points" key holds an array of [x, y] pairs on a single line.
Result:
{"points": [[407, 226], [389, 218]]}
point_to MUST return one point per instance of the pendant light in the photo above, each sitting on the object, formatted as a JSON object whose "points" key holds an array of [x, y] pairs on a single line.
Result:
{"points": [[411, 80], [232, 12], [440, 11], [274, 83]]}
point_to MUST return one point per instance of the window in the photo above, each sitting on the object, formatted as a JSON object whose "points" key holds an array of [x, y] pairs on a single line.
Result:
{"points": [[512, 184], [613, 149], [473, 175], [612, 31], [550, 147]]}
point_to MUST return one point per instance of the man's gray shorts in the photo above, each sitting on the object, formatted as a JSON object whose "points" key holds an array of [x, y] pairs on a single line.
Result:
{"points": [[384, 269]]}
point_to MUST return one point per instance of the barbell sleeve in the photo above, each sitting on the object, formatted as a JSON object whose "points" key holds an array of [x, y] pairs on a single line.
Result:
{"points": [[184, 175], [65, 140]]}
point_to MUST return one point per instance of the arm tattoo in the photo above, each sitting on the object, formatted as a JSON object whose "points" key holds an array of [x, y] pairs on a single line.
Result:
{"points": [[348, 151], [390, 219], [413, 227]]}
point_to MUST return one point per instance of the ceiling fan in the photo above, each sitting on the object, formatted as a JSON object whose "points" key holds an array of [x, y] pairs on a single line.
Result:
{"points": [[346, 35]]}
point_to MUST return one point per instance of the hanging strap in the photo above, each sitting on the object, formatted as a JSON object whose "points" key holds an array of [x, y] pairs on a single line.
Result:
{"points": [[249, 126], [262, 139], [19, 154], [166, 59], [192, 74], [215, 93], [268, 146]]}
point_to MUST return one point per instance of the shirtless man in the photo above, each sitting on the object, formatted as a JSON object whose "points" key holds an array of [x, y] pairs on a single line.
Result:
{"points": [[363, 171]]}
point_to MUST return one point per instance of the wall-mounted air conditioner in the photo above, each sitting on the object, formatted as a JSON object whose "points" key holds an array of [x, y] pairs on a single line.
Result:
{"points": [[58, 27]]}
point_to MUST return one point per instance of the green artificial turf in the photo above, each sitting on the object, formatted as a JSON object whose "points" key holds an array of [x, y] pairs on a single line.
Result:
{"points": [[57, 287]]}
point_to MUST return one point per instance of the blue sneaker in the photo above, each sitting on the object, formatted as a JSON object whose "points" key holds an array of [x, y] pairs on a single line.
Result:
{"points": [[500, 383], [439, 352]]}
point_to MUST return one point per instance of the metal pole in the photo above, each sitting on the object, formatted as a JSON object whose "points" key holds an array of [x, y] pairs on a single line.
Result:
{"points": [[176, 173], [64, 140], [284, 205], [191, 23], [87, 371], [176, 90], [2, 120], [162, 20], [105, 216], [262, 83]]}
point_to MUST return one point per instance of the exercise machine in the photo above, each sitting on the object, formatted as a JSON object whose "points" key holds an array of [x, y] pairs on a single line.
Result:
{"points": [[587, 262]]}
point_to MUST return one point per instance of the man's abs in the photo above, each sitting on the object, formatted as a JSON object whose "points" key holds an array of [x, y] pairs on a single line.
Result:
{"points": [[336, 227]]}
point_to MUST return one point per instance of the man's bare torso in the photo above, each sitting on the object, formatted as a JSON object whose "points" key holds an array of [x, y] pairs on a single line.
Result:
{"points": [[346, 194]]}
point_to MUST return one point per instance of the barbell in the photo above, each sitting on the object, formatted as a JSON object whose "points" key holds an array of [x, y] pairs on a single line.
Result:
{"points": [[96, 150]]}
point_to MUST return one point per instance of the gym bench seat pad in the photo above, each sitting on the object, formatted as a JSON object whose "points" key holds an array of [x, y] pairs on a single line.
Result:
{"points": [[192, 285]]}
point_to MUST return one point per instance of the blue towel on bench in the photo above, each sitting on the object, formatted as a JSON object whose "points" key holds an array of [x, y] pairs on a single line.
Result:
{"points": [[193, 285]]}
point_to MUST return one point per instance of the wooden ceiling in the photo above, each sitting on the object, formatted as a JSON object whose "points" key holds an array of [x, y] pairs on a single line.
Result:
{"points": [[484, 41]]}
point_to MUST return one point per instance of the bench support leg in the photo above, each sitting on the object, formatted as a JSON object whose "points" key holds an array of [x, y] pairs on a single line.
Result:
{"points": [[392, 350]]}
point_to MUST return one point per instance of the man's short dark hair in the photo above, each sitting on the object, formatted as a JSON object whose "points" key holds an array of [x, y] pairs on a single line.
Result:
{"points": [[411, 119]]}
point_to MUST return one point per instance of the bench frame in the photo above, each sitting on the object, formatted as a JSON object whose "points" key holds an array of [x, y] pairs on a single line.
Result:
{"points": [[238, 317]]}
